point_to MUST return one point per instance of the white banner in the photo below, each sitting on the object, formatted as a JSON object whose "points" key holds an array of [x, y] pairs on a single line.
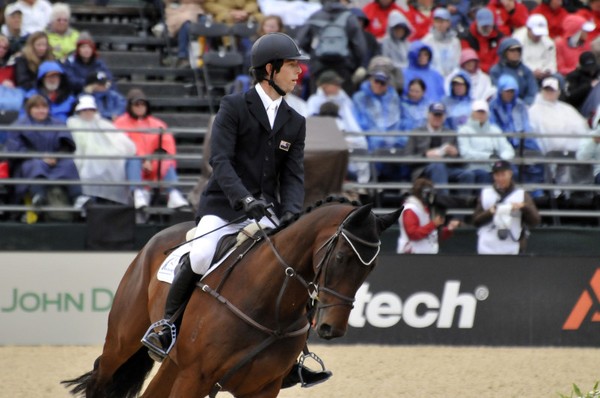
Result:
{"points": [[58, 298]]}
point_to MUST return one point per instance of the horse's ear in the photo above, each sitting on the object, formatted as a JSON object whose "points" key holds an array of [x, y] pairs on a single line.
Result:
{"points": [[387, 220], [359, 215]]}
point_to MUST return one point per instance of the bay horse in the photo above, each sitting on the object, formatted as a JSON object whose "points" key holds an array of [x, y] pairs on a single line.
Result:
{"points": [[244, 329]]}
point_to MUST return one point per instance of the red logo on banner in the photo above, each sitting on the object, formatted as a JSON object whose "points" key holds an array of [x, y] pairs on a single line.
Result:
{"points": [[584, 305]]}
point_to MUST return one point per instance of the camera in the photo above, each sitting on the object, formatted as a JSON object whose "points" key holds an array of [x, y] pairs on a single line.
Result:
{"points": [[503, 234]]}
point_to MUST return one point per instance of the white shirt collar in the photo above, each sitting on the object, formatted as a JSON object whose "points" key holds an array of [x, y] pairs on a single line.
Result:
{"points": [[266, 100]]}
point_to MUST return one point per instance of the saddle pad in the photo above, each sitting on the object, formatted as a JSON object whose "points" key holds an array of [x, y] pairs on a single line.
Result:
{"points": [[166, 271]]}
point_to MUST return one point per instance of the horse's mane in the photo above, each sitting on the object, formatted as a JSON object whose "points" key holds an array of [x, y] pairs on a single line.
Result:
{"points": [[330, 200]]}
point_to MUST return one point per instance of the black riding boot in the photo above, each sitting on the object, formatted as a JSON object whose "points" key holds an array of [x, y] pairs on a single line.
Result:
{"points": [[182, 287]]}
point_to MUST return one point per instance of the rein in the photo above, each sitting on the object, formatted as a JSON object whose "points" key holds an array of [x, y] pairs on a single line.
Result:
{"points": [[312, 288]]}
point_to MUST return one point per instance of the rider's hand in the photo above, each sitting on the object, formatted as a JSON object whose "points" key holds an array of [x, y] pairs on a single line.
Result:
{"points": [[255, 208]]}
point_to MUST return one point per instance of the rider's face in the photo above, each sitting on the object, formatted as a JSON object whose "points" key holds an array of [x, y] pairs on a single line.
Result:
{"points": [[287, 77]]}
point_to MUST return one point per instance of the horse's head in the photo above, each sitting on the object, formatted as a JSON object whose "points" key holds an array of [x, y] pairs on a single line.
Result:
{"points": [[343, 263]]}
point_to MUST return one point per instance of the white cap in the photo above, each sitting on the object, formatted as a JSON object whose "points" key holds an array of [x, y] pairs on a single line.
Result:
{"points": [[480, 105], [12, 8], [550, 82], [538, 24], [86, 102], [588, 27]]}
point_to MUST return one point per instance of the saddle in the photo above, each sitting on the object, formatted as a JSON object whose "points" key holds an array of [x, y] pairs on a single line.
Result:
{"points": [[236, 239]]}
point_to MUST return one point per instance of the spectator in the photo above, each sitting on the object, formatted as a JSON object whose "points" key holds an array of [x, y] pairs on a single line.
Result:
{"points": [[54, 86], [539, 51], [414, 105], [378, 12], [84, 62], [86, 127], [418, 13], [549, 116], [11, 98], [13, 18], [473, 145], [572, 43], [138, 117], [510, 51], [580, 82], [233, 11], [394, 44], [178, 17], [444, 43], [503, 214], [35, 51], [459, 13], [554, 13], [419, 65], [348, 59], [7, 68], [510, 113], [373, 46], [510, 15], [589, 149], [483, 37], [591, 13], [437, 144], [330, 90], [36, 15], [37, 114], [420, 220], [110, 103], [62, 38], [377, 107], [458, 101], [481, 84]]}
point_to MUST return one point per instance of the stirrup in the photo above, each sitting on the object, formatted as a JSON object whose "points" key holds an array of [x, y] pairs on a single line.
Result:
{"points": [[155, 352], [326, 373]]}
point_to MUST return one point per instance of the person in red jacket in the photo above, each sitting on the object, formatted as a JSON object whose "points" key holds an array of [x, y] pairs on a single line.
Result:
{"points": [[509, 15], [420, 21], [572, 43], [422, 220], [378, 11], [483, 37], [592, 14], [555, 14]]}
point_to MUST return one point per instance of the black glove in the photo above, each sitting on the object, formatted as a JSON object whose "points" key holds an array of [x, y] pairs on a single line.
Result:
{"points": [[255, 208], [286, 217]]}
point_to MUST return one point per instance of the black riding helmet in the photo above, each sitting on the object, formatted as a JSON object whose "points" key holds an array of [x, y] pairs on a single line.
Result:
{"points": [[274, 46]]}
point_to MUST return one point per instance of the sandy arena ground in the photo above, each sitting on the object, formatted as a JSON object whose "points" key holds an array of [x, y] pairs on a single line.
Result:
{"points": [[359, 371]]}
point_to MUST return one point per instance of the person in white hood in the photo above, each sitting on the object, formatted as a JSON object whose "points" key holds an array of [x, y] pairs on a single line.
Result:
{"points": [[555, 120], [444, 43], [86, 125], [395, 44]]}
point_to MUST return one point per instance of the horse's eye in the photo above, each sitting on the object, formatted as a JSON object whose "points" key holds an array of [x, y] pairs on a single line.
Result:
{"points": [[339, 257]]}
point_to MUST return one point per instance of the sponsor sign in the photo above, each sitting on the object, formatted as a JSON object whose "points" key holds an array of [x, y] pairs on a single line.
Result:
{"points": [[64, 299]]}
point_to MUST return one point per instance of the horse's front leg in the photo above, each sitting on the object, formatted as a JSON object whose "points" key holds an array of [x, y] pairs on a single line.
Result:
{"points": [[161, 384], [189, 383]]}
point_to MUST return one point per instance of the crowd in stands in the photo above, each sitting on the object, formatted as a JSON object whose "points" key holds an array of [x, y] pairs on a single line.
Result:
{"points": [[467, 74]]}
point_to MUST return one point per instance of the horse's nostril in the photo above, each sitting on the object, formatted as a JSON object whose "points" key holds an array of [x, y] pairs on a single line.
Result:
{"points": [[325, 331]]}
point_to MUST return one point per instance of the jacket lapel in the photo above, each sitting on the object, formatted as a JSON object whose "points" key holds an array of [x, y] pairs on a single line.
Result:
{"points": [[257, 109]]}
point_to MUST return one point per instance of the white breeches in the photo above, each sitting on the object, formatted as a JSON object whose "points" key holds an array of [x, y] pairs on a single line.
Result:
{"points": [[203, 249]]}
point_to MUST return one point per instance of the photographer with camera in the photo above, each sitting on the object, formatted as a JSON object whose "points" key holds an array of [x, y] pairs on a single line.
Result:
{"points": [[422, 217], [503, 214]]}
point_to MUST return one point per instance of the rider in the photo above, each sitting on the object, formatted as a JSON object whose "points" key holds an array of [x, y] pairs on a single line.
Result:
{"points": [[257, 155]]}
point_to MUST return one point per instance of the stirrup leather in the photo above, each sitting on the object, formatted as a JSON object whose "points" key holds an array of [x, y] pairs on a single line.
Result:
{"points": [[313, 356], [158, 353]]}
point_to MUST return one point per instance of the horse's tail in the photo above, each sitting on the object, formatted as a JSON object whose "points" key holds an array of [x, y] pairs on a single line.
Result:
{"points": [[127, 381]]}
